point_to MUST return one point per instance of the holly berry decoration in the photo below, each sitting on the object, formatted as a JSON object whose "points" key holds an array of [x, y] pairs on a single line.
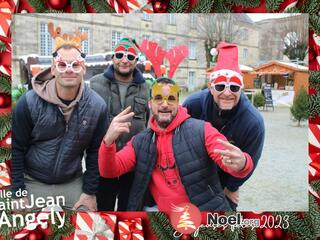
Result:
{"points": [[58, 4], [6, 141], [5, 101], [160, 6]]}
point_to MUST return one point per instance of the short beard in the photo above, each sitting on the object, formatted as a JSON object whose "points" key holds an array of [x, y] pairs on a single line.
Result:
{"points": [[162, 124], [125, 75]]}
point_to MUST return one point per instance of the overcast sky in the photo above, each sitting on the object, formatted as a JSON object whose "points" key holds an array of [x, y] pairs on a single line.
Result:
{"points": [[261, 16]]}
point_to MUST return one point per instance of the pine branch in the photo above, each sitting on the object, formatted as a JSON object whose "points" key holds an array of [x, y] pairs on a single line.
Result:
{"points": [[221, 6], [310, 6], [235, 234], [5, 154], [245, 3], [5, 124], [203, 6], [5, 84], [315, 185], [178, 6], [314, 80], [298, 227], [208, 233], [251, 234], [314, 105], [66, 230], [273, 5], [3, 46], [161, 226], [314, 21], [313, 215], [38, 5], [78, 6], [101, 6]]}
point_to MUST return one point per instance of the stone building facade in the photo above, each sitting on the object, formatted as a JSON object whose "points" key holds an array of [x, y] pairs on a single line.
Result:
{"points": [[30, 36]]}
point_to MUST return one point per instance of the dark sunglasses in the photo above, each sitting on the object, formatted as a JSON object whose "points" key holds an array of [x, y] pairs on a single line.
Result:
{"points": [[129, 56], [221, 87]]}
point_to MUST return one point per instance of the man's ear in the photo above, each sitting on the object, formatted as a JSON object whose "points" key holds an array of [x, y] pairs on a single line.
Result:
{"points": [[209, 84], [149, 104]]}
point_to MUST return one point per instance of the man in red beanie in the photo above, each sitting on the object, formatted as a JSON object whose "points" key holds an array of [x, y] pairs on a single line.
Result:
{"points": [[228, 109]]}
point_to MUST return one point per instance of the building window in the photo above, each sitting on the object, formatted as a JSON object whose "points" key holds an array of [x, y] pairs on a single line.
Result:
{"points": [[245, 34], [146, 16], [115, 38], [193, 20], [172, 19], [191, 80], [245, 53], [45, 40], [85, 46], [192, 50], [170, 43]]}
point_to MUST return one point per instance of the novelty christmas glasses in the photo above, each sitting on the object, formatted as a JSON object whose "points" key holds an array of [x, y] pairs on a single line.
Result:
{"points": [[63, 66], [159, 94], [130, 57], [223, 82]]}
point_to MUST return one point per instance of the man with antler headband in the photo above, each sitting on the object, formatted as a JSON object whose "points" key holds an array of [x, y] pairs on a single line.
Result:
{"points": [[225, 106], [175, 160], [122, 85], [54, 125]]}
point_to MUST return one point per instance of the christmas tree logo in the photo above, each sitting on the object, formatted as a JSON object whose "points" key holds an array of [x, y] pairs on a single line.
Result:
{"points": [[185, 218]]}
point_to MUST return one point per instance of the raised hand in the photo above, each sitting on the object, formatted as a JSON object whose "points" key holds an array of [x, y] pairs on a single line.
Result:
{"points": [[232, 156], [120, 124]]}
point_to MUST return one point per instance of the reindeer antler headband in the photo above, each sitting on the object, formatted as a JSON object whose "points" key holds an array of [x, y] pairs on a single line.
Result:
{"points": [[66, 39], [156, 54]]}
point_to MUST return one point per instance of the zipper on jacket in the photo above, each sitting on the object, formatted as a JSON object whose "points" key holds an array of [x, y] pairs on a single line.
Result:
{"points": [[61, 144], [209, 187]]}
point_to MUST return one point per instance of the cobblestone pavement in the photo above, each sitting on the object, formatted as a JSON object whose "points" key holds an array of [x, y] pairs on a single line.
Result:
{"points": [[280, 181]]}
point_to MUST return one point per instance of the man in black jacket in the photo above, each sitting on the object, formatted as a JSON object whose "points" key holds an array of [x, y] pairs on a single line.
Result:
{"points": [[53, 126], [122, 85]]}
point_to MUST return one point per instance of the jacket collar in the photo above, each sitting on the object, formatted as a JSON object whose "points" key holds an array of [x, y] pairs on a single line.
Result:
{"points": [[137, 75]]}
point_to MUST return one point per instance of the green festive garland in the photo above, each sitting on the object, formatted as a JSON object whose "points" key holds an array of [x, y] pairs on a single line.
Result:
{"points": [[314, 99], [300, 227]]}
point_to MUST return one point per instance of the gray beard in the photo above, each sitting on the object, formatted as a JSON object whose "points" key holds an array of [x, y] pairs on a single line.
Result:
{"points": [[162, 124]]}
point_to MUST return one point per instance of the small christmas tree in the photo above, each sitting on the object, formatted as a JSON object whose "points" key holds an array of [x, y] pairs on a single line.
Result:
{"points": [[184, 221], [299, 109]]}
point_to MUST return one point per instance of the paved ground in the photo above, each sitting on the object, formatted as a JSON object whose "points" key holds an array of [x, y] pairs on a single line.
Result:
{"points": [[280, 182]]}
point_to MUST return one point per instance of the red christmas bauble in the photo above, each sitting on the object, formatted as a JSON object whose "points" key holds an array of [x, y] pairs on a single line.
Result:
{"points": [[193, 3], [278, 233], [6, 141], [35, 236], [58, 4], [5, 100], [185, 237], [268, 234], [160, 6]]}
